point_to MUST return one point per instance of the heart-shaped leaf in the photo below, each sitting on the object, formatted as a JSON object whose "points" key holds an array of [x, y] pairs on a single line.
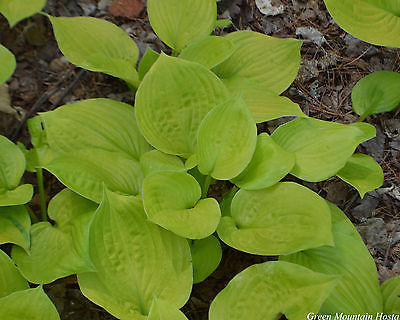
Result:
{"points": [[16, 10], [226, 140], [161, 310], [322, 148], [179, 22], [10, 278], [268, 290], [391, 295], [15, 225], [135, 260], [374, 21], [63, 249], [362, 172], [281, 219], [32, 304], [172, 100], [171, 200], [155, 161], [97, 45], [206, 256], [377, 92], [8, 63], [149, 58], [270, 163], [358, 290], [263, 104], [260, 58], [87, 150], [209, 51]]}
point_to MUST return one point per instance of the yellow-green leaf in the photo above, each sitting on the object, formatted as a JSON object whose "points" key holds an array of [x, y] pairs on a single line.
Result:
{"points": [[16, 10], [374, 21], [227, 139], [284, 218], [172, 200], [15, 225], [8, 63], [391, 295], [362, 172], [97, 45], [10, 278], [179, 22]]}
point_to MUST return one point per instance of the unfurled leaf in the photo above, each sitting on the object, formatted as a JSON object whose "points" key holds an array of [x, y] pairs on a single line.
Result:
{"points": [[206, 256], [97, 45], [161, 310], [322, 148], [374, 21], [377, 92], [362, 172], [10, 278], [87, 150], [270, 163], [149, 58], [263, 104], [32, 304], [20, 195], [15, 225], [209, 51], [260, 58], [172, 200], [8, 63], [12, 164], [391, 295], [154, 161], [172, 100], [282, 219], [135, 260], [357, 291], [227, 139], [16, 10], [63, 249], [268, 290], [179, 22]]}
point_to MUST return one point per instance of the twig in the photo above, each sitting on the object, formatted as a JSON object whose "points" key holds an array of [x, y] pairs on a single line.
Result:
{"points": [[37, 106]]}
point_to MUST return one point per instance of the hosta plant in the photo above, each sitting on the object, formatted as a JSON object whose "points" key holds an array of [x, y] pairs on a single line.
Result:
{"points": [[137, 222]]}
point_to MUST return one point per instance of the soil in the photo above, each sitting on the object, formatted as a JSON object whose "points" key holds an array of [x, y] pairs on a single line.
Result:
{"points": [[332, 62]]}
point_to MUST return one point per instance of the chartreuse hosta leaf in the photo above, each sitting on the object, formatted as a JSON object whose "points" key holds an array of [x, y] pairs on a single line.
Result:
{"points": [[179, 22], [92, 142], [97, 45], [149, 58], [284, 218], [377, 92], [155, 161], [260, 58], [16, 10], [172, 200], [12, 167], [63, 249], [374, 21], [161, 310], [268, 290], [208, 51], [226, 140], [391, 295], [136, 261], [322, 148], [8, 63], [270, 163], [362, 172], [32, 304], [358, 290], [206, 256], [173, 99], [15, 225], [263, 104], [10, 278]]}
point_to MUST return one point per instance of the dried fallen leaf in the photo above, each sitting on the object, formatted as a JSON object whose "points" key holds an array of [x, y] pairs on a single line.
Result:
{"points": [[126, 8]]}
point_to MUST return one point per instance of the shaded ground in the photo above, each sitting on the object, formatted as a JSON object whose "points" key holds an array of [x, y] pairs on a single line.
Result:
{"points": [[332, 62]]}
